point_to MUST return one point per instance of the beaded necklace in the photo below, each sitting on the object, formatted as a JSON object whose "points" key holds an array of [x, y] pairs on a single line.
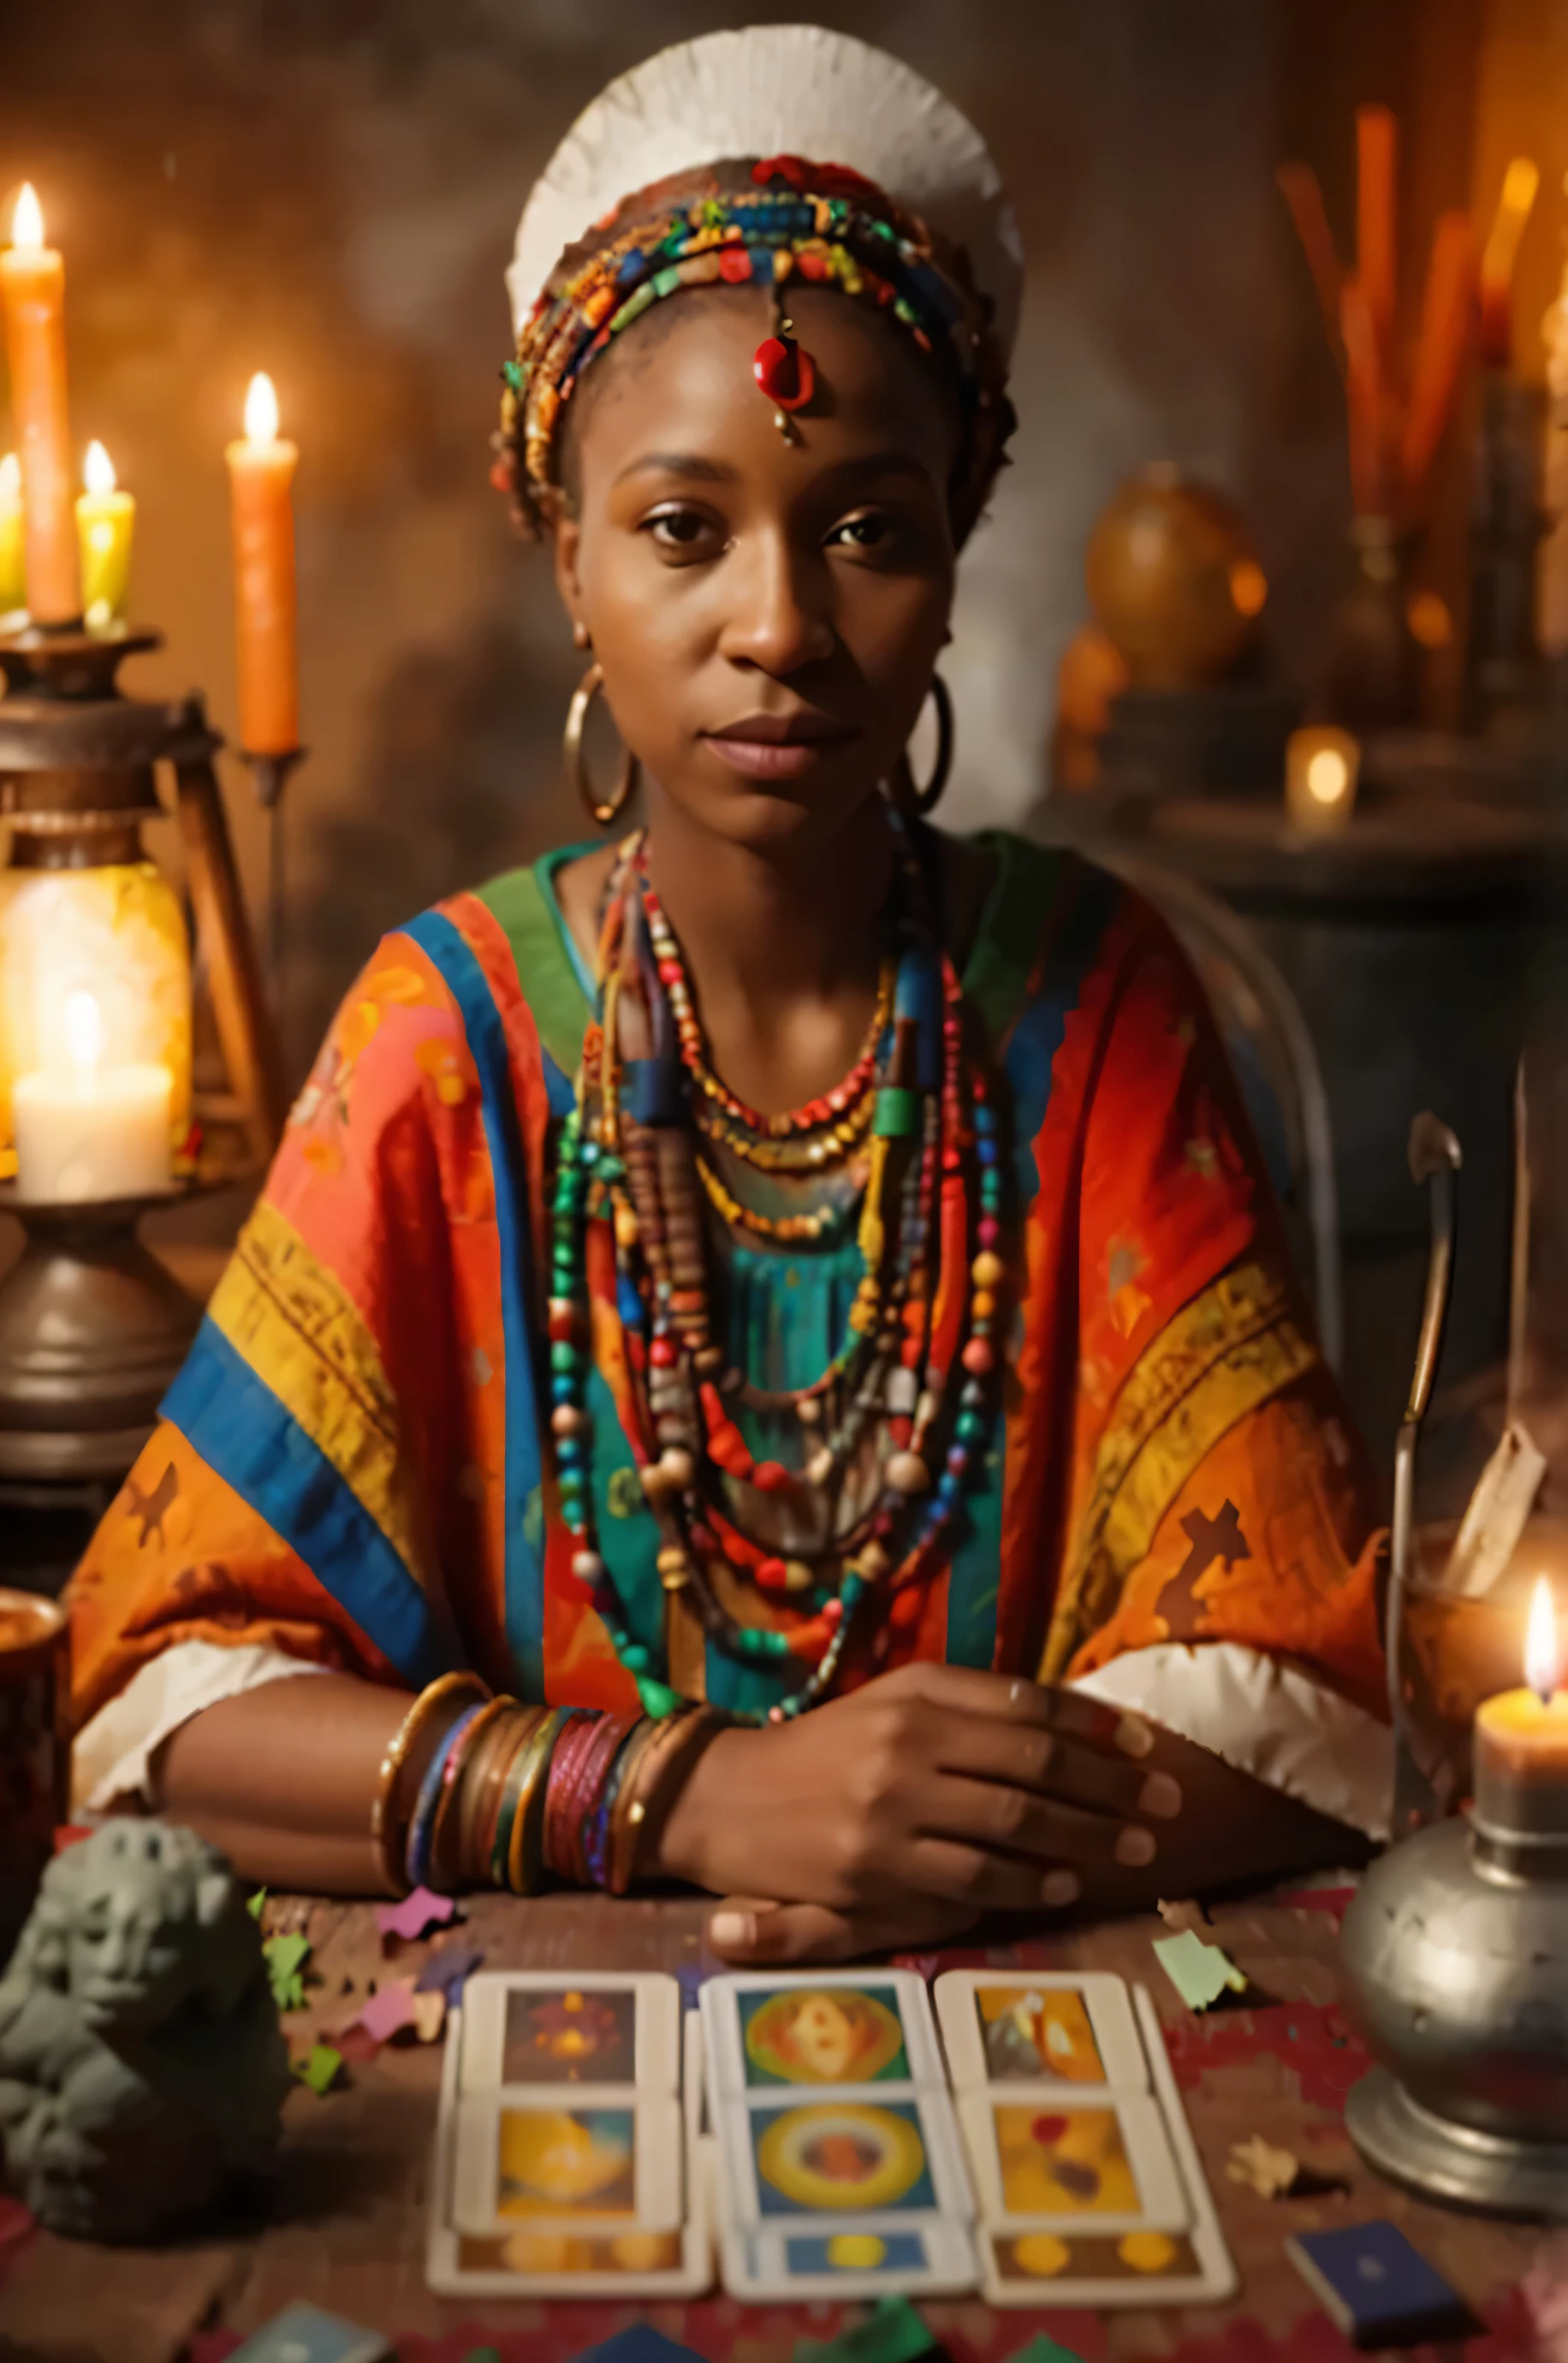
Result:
{"points": [[915, 1110]]}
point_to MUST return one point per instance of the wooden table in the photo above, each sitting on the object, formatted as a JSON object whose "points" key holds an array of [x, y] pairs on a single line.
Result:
{"points": [[348, 2229]]}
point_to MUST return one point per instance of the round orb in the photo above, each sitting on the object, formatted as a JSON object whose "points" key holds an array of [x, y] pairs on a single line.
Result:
{"points": [[907, 1473], [1041, 2253], [1174, 579]]}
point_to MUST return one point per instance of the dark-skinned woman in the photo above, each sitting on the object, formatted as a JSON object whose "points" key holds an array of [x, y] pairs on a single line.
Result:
{"points": [[767, 1357]]}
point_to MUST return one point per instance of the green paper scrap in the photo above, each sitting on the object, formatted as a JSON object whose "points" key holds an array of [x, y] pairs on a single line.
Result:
{"points": [[1042, 2349], [254, 1905], [1199, 1973], [482, 2354], [285, 1957], [895, 2334], [319, 2070]]}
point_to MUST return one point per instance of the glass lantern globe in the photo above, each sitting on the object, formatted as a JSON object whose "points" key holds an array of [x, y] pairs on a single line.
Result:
{"points": [[105, 943]]}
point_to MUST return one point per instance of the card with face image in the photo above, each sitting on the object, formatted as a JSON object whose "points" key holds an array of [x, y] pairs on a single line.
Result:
{"points": [[825, 2030], [605, 2162], [1048, 2160], [540, 2029], [1009, 2027], [854, 2162]]}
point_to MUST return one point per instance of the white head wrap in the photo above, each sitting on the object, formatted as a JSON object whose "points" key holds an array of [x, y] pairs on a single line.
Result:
{"points": [[777, 90]]}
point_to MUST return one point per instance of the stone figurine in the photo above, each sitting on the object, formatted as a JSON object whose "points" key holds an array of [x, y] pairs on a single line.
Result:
{"points": [[142, 2067]]}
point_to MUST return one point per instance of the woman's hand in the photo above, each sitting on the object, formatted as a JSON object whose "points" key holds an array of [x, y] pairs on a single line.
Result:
{"points": [[933, 1794]]}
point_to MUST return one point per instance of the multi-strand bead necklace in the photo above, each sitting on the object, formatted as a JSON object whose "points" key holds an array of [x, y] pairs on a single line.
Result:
{"points": [[908, 1396]]}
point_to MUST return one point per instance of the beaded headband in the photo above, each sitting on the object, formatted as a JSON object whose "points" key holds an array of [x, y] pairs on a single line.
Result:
{"points": [[789, 220]]}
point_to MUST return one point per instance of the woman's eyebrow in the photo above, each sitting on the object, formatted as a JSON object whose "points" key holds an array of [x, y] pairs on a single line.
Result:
{"points": [[689, 464]]}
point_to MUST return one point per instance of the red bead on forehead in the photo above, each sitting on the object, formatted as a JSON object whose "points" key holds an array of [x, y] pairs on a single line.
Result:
{"points": [[785, 372]]}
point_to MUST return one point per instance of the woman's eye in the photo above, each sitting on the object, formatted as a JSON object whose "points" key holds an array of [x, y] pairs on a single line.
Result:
{"points": [[680, 529], [872, 531]]}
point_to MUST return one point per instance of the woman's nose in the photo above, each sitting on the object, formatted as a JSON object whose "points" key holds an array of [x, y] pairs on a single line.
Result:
{"points": [[778, 619]]}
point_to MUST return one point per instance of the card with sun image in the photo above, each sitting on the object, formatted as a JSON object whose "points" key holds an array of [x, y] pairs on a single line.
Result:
{"points": [[1009, 2026], [856, 2161], [540, 2029], [529, 2258], [830, 2028], [606, 2162], [1045, 2161]]}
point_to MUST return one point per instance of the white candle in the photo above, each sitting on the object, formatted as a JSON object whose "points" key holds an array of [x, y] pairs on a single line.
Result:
{"points": [[91, 1131]]}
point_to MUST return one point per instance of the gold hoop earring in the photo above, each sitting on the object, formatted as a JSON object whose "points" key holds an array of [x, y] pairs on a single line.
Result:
{"points": [[583, 697], [923, 801]]}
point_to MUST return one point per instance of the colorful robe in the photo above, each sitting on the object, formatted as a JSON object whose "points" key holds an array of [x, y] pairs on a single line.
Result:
{"points": [[352, 1470]]}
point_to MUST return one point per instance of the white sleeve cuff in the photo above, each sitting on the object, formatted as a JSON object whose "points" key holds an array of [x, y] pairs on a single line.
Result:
{"points": [[1264, 1718], [113, 1758]]}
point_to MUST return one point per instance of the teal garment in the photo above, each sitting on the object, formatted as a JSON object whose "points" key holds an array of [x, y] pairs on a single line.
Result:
{"points": [[785, 1316]]}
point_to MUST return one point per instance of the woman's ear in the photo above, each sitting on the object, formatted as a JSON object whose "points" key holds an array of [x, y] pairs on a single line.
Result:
{"points": [[568, 541]]}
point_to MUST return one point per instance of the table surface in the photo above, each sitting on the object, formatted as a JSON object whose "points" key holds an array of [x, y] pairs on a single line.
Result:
{"points": [[348, 2228]]}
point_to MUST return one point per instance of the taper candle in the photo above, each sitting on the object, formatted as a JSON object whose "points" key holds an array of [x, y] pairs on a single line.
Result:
{"points": [[105, 520], [13, 563], [261, 470], [32, 288]]}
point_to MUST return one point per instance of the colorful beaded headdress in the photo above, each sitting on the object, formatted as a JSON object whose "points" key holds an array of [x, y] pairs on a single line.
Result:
{"points": [[908, 216]]}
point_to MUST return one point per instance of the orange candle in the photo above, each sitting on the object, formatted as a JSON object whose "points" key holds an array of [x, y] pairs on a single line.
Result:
{"points": [[261, 470], [32, 287], [1520, 182]]}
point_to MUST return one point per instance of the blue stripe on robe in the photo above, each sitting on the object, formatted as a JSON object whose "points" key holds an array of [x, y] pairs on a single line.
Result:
{"points": [[524, 1528], [974, 1580], [244, 1432]]}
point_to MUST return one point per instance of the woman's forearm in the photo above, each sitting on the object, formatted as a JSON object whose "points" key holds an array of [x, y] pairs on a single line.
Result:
{"points": [[283, 1779]]}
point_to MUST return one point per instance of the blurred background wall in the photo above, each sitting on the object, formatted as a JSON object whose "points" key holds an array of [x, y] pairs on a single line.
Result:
{"points": [[328, 189]]}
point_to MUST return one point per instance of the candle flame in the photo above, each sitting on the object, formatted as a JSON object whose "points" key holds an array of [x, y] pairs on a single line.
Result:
{"points": [[262, 409], [98, 470], [10, 481], [1542, 1661], [26, 221], [83, 1033], [1328, 776]]}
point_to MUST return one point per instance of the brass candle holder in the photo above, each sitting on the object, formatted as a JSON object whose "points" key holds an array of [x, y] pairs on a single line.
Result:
{"points": [[92, 1327]]}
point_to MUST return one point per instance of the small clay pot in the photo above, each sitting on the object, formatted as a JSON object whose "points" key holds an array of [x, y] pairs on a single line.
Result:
{"points": [[1174, 579]]}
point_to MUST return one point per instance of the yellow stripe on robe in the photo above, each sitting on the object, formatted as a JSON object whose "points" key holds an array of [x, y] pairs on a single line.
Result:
{"points": [[1235, 1345], [305, 1339]]}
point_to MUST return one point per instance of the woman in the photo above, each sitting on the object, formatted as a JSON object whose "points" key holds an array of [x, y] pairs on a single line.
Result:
{"points": [[765, 1357]]}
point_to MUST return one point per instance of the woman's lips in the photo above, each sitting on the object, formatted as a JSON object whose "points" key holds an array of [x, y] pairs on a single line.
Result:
{"points": [[774, 758]]}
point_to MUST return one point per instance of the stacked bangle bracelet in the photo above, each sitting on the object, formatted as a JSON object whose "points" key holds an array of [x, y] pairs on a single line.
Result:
{"points": [[476, 1789]]}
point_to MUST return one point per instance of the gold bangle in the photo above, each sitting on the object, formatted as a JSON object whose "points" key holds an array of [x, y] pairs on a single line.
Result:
{"points": [[386, 1829], [659, 1775], [454, 1811], [524, 1853]]}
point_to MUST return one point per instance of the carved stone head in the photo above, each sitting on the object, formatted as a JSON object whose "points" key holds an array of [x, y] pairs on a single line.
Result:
{"points": [[130, 1924]]}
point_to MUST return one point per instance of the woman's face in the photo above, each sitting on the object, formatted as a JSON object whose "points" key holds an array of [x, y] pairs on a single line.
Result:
{"points": [[767, 613]]}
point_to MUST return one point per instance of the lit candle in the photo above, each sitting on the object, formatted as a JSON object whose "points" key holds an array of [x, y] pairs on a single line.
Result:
{"points": [[13, 560], [1322, 768], [32, 287], [1522, 1737], [85, 1130], [261, 470], [1520, 182], [105, 520]]}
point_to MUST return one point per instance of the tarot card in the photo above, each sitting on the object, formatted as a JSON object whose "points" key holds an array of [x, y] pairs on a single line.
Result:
{"points": [[1379, 2289], [605, 2162], [1045, 2161], [860, 2161], [763, 2265], [531, 2263], [537, 2027], [304, 2334], [1003, 2026], [833, 2027], [1093, 2267]]}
